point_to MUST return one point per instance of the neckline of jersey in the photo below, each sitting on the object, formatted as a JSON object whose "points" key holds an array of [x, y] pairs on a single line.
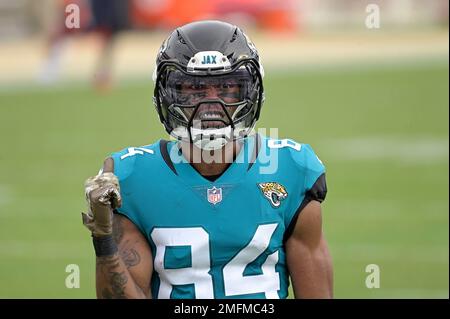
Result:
{"points": [[234, 172]]}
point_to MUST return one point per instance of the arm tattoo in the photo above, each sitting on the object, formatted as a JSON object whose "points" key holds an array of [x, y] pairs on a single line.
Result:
{"points": [[117, 291], [117, 280], [108, 262], [110, 269], [117, 229], [130, 257]]}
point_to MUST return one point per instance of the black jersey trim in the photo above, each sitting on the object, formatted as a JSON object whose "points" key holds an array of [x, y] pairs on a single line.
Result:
{"points": [[255, 151], [166, 156], [317, 192]]}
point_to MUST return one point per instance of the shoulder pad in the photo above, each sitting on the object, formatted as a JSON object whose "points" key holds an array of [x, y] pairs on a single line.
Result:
{"points": [[307, 159], [300, 156], [124, 160]]}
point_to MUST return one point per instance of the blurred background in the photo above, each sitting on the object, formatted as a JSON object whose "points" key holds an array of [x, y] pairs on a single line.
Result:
{"points": [[372, 100]]}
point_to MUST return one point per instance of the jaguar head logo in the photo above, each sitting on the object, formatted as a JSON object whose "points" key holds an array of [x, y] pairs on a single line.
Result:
{"points": [[274, 192]]}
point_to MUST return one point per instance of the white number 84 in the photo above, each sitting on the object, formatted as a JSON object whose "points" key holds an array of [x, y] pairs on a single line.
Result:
{"points": [[235, 282]]}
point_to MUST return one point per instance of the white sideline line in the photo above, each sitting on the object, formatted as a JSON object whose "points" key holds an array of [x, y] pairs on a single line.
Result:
{"points": [[406, 150]]}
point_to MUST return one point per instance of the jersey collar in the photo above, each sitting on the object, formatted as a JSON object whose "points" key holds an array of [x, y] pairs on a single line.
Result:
{"points": [[235, 172]]}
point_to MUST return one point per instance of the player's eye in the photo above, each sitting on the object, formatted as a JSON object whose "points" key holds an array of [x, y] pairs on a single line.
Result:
{"points": [[199, 95], [197, 86], [229, 85], [182, 99]]}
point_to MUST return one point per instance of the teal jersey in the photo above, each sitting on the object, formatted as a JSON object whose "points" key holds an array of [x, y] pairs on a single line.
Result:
{"points": [[223, 238]]}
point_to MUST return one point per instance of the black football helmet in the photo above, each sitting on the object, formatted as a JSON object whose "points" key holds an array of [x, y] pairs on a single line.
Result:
{"points": [[208, 84]]}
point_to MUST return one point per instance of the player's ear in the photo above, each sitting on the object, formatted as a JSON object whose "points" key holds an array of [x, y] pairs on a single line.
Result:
{"points": [[108, 165]]}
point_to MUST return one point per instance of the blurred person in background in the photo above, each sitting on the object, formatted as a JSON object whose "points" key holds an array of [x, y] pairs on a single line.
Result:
{"points": [[110, 17], [105, 18], [58, 35]]}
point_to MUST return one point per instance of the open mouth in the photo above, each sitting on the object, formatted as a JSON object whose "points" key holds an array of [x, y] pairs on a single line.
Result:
{"points": [[211, 117], [210, 124]]}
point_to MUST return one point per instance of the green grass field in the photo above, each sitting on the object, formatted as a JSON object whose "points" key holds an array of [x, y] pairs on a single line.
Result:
{"points": [[382, 133]]}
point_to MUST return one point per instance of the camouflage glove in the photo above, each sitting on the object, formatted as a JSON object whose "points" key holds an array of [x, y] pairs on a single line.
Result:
{"points": [[102, 195]]}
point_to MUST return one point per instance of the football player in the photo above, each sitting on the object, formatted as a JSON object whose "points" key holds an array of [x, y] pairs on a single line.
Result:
{"points": [[203, 215]]}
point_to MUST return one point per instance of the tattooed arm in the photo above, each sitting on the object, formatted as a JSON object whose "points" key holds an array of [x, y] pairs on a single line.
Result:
{"points": [[127, 273]]}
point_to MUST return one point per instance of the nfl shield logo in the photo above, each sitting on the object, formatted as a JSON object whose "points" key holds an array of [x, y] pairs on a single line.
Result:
{"points": [[214, 195]]}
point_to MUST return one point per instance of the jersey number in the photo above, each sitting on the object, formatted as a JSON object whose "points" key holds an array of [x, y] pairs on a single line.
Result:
{"points": [[198, 273], [273, 143]]}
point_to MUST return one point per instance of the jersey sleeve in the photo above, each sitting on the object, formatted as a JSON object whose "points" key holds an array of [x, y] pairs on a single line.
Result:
{"points": [[315, 187], [123, 169], [312, 184]]}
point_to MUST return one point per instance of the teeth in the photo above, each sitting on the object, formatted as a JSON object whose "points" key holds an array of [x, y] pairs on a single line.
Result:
{"points": [[210, 116]]}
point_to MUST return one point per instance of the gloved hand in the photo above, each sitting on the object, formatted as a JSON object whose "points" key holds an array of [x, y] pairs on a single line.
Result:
{"points": [[102, 195]]}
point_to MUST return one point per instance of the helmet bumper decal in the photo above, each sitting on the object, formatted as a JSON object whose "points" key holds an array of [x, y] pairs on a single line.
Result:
{"points": [[207, 60]]}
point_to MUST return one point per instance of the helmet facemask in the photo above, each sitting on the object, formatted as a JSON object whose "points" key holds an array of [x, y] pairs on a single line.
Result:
{"points": [[209, 108]]}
